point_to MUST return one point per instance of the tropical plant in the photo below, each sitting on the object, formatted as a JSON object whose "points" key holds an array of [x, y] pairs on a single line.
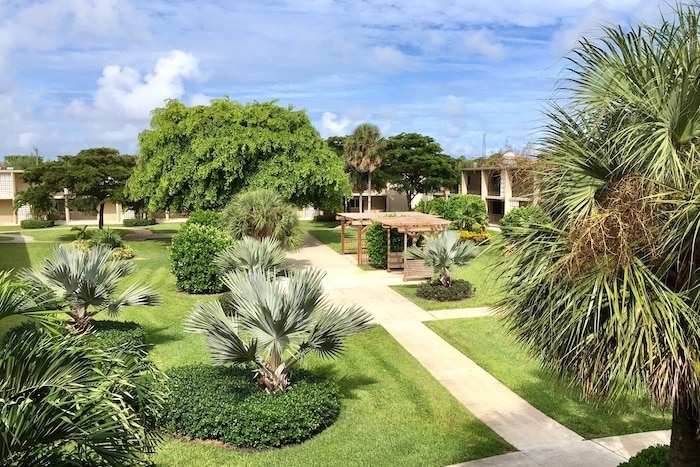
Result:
{"points": [[248, 253], [86, 282], [467, 212], [607, 295], [442, 252], [64, 402], [281, 320], [364, 149], [108, 237], [263, 213], [16, 301], [522, 216], [377, 244], [81, 233]]}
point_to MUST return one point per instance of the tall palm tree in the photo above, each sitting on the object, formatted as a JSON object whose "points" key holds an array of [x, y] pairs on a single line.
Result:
{"points": [[277, 322], [444, 251], [86, 282], [364, 149], [607, 294]]}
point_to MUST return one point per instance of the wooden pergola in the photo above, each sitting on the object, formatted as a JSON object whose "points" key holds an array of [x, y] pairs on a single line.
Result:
{"points": [[410, 224]]}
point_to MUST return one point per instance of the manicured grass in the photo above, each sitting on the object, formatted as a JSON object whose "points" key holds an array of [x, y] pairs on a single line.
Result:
{"points": [[4, 238], [485, 341], [395, 412], [169, 227], [327, 232], [484, 274]]}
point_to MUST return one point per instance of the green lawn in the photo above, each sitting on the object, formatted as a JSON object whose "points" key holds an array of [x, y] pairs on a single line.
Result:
{"points": [[395, 412], [485, 341], [484, 274], [327, 232]]}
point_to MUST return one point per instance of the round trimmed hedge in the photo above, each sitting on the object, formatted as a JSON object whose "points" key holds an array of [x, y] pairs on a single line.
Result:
{"points": [[224, 403], [658, 455], [434, 290]]}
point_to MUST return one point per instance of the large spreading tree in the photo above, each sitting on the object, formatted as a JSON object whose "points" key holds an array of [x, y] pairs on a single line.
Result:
{"points": [[608, 293], [199, 157], [93, 177], [414, 163]]}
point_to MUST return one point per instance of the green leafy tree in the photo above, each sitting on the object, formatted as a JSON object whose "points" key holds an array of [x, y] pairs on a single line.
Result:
{"points": [[467, 212], [607, 294], [276, 323], [23, 162], [364, 150], [86, 283], [93, 177], [261, 214], [414, 163], [199, 157], [443, 251]]}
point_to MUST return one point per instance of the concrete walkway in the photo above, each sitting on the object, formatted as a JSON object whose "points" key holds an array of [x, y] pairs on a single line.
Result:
{"points": [[540, 440]]}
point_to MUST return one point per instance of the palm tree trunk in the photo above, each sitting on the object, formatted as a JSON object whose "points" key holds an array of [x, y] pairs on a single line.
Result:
{"points": [[369, 191], [685, 447]]}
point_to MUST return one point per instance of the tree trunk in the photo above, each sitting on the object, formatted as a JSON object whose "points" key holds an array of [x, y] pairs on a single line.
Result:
{"points": [[685, 447], [101, 221], [369, 191]]}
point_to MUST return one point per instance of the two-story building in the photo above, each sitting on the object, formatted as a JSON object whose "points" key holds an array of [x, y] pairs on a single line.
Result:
{"points": [[501, 187]]}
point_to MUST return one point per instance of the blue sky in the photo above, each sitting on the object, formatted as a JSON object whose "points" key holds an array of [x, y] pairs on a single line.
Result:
{"points": [[76, 74]]}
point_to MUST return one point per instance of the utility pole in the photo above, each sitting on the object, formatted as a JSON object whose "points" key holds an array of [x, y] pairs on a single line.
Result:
{"points": [[36, 154]]}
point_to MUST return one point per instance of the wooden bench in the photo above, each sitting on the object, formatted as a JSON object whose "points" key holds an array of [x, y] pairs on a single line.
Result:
{"points": [[415, 269]]}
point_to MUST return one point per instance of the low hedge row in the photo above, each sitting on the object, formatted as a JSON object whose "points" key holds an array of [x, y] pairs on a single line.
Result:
{"points": [[138, 222], [458, 290], [225, 404], [35, 224], [658, 455]]}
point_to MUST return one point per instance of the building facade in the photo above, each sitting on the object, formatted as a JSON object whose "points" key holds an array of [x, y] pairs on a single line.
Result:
{"points": [[499, 187]]}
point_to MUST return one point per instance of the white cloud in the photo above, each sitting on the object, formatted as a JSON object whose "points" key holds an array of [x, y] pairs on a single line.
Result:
{"points": [[454, 106], [388, 58], [331, 125], [122, 91], [484, 43]]}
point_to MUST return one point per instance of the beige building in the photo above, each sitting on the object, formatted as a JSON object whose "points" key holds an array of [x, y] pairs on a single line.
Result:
{"points": [[498, 186], [387, 200], [11, 183]]}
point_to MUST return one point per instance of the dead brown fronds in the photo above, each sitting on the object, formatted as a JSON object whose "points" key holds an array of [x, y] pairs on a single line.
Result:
{"points": [[627, 224]]}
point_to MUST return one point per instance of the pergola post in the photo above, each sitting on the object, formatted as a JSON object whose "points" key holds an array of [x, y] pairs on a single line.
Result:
{"points": [[359, 244], [342, 237], [388, 249]]}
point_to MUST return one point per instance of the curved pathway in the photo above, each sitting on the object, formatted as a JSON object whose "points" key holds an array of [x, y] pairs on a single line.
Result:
{"points": [[540, 440]]}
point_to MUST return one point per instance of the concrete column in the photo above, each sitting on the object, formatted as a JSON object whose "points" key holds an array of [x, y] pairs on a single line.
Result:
{"points": [[483, 175], [65, 205]]}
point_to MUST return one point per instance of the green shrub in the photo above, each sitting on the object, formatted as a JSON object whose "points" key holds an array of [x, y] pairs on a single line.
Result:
{"points": [[521, 217], [81, 233], [139, 222], [467, 212], [191, 256], [123, 252], [480, 238], [435, 206], [376, 243], [210, 218], [434, 290], [118, 336], [80, 245], [653, 456], [225, 404], [108, 237], [35, 224]]}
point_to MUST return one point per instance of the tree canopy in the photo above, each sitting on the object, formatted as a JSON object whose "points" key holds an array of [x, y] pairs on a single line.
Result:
{"points": [[93, 177], [198, 157], [21, 161], [364, 150], [414, 163]]}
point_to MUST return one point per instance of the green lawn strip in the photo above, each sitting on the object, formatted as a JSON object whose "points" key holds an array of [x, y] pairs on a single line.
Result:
{"points": [[327, 232], [167, 227], [484, 274], [485, 341], [5, 238], [394, 413]]}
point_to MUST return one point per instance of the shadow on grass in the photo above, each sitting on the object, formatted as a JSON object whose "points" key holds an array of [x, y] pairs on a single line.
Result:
{"points": [[348, 384], [162, 335]]}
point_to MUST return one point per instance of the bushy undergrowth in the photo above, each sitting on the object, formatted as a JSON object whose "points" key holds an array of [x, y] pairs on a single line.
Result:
{"points": [[225, 404], [191, 256], [653, 456], [35, 224], [210, 218], [376, 243], [480, 238], [434, 290], [521, 217], [119, 335], [139, 222], [107, 237]]}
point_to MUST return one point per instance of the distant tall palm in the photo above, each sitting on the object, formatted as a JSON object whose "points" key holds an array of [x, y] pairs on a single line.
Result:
{"points": [[608, 294], [364, 149], [86, 283]]}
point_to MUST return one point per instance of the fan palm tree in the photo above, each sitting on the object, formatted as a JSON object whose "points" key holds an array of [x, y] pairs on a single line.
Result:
{"points": [[86, 282], [277, 322], [263, 214], [444, 251], [248, 253], [364, 149], [607, 294]]}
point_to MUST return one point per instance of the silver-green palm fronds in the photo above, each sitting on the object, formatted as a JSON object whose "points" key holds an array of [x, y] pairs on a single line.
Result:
{"points": [[65, 403], [443, 251], [277, 322], [248, 253], [86, 283], [608, 294], [16, 301]]}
